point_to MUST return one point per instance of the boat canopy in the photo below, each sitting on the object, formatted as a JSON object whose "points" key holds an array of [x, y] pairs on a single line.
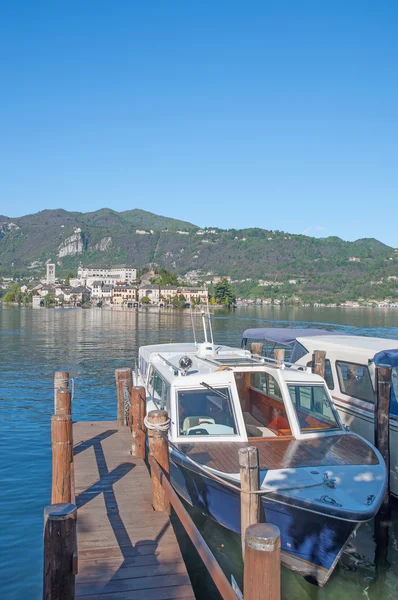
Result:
{"points": [[281, 335]]}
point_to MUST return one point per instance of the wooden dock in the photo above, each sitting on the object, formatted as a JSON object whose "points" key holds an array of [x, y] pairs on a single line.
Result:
{"points": [[126, 550]]}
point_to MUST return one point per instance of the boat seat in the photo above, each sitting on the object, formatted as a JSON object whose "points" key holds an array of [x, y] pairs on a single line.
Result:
{"points": [[255, 428], [193, 421]]}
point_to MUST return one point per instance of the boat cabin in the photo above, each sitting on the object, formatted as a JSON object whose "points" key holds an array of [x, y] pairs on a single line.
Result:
{"points": [[226, 393]]}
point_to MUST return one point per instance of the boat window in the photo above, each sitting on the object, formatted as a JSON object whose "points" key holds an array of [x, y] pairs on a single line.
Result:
{"points": [[267, 384], [354, 380], [157, 390], [202, 412], [394, 392], [150, 382], [328, 373], [314, 409], [298, 351]]}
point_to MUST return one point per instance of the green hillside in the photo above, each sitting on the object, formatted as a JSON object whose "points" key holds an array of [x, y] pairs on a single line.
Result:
{"points": [[328, 269]]}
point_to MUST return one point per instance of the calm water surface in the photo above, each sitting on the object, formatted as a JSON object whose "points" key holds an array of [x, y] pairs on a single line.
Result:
{"points": [[91, 344]]}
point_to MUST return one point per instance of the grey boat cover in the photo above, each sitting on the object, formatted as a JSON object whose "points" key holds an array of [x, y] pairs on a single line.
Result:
{"points": [[281, 335]]}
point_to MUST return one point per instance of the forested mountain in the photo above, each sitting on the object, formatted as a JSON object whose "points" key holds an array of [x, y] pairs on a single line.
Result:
{"points": [[322, 269]]}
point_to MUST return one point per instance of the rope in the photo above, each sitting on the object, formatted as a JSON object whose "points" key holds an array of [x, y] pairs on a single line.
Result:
{"points": [[127, 403], [72, 383], [162, 428]]}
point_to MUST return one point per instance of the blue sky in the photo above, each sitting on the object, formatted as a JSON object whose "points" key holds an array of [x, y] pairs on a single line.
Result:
{"points": [[280, 115]]}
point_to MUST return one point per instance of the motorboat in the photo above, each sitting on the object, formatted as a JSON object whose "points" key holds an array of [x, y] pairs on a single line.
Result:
{"points": [[350, 375], [318, 481]]}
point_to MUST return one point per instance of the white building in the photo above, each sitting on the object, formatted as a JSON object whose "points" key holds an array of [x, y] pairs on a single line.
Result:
{"points": [[110, 275], [50, 273]]}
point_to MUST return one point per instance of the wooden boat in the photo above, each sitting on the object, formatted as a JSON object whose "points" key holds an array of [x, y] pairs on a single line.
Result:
{"points": [[319, 481], [349, 375]]}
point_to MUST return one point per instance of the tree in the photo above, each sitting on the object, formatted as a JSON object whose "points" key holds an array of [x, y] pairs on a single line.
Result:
{"points": [[68, 278], [145, 300], [223, 293], [49, 300]]}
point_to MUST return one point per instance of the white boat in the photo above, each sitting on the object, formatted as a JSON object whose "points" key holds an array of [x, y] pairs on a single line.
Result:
{"points": [[319, 481], [349, 375]]}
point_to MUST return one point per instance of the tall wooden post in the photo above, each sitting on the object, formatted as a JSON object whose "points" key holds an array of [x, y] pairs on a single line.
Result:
{"points": [[158, 448], [60, 547], [257, 348], [123, 380], [382, 422], [249, 481], [262, 567], [62, 456], [61, 380], [318, 363], [138, 404], [63, 401], [279, 355]]}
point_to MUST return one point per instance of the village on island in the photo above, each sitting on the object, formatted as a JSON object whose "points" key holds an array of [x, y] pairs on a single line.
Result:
{"points": [[125, 286]]}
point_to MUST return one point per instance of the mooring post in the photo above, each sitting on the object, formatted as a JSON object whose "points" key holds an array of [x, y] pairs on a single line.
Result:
{"points": [[63, 401], [257, 348], [159, 450], [279, 355], [249, 482], [123, 381], [61, 380], [262, 567], [62, 456], [138, 404], [382, 423], [60, 547], [318, 363]]}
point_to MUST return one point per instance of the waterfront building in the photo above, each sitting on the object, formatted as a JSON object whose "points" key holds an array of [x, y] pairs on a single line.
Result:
{"points": [[111, 275], [124, 294]]}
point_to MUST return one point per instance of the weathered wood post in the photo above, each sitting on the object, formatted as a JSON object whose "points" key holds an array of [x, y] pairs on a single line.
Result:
{"points": [[249, 481], [123, 380], [63, 401], [62, 456], [279, 355], [61, 380], [159, 450], [382, 422], [138, 430], [262, 567], [318, 363], [257, 348], [60, 547]]}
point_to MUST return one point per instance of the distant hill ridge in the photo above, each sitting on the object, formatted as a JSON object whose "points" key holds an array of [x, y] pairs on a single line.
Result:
{"points": [[324, 266]]}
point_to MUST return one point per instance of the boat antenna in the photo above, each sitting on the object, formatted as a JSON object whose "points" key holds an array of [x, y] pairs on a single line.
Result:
{"points": [[204, 325], [210, 327], [193, 327]]}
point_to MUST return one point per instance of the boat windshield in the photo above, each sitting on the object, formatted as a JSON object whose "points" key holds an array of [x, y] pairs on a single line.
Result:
{"points": [[314, 409], [206, 412]]}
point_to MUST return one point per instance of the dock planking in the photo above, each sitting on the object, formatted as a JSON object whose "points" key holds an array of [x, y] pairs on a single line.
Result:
{"points": [[127, 551]]}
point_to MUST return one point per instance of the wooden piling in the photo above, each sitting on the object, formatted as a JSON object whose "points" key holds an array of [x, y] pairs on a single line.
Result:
{"points": [[138, 404], [62, 456], [318, 363], [158, 448], [63, 401], [279, 355], [60, 546], [382, 422], [257, 348], [262, 567], [249, 481], [123, 380], [61, 380]]}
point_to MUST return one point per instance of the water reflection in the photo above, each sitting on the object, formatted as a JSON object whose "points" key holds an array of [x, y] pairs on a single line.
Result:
{"points": [[91, 344]]}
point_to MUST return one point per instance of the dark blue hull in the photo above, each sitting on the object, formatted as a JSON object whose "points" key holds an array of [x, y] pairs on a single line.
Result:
{"points": [[311, 543]]}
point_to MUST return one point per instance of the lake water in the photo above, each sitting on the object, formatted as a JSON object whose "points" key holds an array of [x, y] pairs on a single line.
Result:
{"points": [[91, 344]]}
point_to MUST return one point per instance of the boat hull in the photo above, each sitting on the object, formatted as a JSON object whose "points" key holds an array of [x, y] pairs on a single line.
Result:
{"points": [[311, 544]]}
